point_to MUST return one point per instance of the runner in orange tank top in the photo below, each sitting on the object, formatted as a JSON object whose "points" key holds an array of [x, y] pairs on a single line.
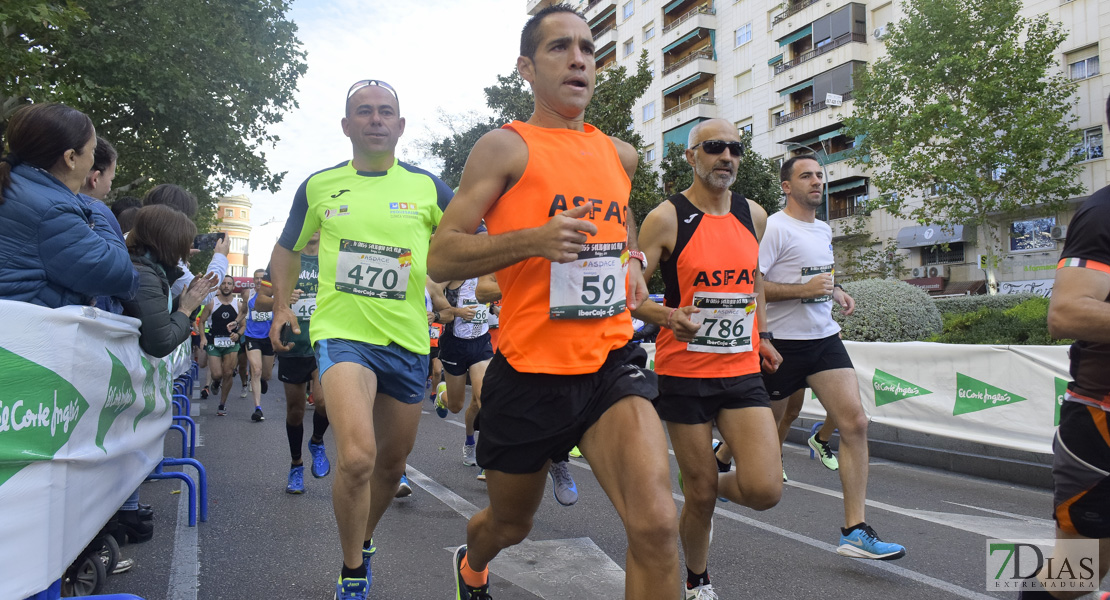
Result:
{"points": [[706, 242], [554, 195]]}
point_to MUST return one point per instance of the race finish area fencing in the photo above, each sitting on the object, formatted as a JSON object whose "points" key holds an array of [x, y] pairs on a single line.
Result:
{"points": [[1004, 396], [83, 415]]}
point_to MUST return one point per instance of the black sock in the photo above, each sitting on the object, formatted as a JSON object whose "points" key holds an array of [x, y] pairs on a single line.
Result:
{"points": [[359, 573], [693, 580], [1035, 595], [860, 525], [367, 544], [319, 426], [296, 438]]}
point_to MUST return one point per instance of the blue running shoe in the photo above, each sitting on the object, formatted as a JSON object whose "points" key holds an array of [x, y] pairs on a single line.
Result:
{"points": [[462, 590], [296, 480], [404, 490], [863, 542], [320, 465], [367, 554], [352, 589]]}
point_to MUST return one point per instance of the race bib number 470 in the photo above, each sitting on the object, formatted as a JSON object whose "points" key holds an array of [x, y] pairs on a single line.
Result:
{"points": [[726, 321], [591, 287], [372, 270]]}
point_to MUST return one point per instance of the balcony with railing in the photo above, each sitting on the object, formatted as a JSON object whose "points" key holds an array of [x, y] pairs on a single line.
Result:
{"points": [[704, 9], [806, 110], [793, 9], [702, 54], [597, 7], [849, 210], [812, 54], [700, 101]]}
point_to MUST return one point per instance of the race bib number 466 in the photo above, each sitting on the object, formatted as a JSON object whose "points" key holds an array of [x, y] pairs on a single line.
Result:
{"points": [[726, 322], [372, 270], [591, 287]]}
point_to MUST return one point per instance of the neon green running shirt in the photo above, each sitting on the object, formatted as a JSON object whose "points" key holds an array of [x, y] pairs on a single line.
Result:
{"points": [[374, 233]]}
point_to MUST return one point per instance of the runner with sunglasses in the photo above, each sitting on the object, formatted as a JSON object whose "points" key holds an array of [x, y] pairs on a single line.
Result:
{"points": [[370, 330], [705, 240]]}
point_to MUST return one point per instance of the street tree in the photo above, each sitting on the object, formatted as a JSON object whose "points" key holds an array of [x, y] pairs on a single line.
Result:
{"points": [[757, 177], [967, 120], [185, 89]]}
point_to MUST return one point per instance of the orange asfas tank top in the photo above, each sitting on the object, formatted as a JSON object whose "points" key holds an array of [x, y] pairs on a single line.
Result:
{"points": [[713, 267], [570, 327]]}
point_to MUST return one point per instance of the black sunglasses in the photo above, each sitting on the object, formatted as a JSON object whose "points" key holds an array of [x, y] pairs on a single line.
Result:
{"points": [[358, 85], [718, 146]]}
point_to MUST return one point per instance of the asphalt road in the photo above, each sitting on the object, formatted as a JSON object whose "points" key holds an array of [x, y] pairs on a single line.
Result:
{"points": [[261, 543]]}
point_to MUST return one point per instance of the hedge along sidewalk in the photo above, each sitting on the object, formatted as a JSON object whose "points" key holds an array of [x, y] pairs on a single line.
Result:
{"points": [[888, 310]]}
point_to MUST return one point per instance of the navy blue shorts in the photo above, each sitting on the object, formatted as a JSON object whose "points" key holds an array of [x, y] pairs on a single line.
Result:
{"points": [[401, 373], [458, 354]]}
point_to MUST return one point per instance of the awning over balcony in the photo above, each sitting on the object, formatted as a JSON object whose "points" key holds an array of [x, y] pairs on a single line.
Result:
{"points": [[685, 82], [797, 88], [605, 53], [602, 17], [929, 235], [830, 135], [848, 185], [689, 36], [797, 35], [774, 60], [673, 5]]}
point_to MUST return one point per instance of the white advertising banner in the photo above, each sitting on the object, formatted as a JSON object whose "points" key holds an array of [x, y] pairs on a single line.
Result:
{"points": [[1005, 396], [83, 413]]}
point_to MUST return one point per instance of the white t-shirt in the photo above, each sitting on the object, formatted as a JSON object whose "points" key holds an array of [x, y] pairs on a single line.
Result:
{"points": [[793, 251]]}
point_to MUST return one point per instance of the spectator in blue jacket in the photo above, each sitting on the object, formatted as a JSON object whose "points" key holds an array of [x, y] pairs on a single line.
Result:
{"points": [[55, 250]]}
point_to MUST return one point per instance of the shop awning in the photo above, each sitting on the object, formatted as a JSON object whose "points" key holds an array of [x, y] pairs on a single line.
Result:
{"points": [[797, 35], [929, 235]]}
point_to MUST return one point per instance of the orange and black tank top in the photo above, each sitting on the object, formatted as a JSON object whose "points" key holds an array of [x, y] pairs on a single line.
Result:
{"points": [[566, 168], [714, 256]]}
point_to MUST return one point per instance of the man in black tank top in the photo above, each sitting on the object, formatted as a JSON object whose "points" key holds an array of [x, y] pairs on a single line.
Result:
{"points": [[227, 319]]}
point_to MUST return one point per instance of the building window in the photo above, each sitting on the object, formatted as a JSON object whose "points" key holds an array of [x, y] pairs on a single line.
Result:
{"points": [[649, 111], [744, 128], [743, 81], [649, 154], [242, 214], [1091, 146], [778, 160], [649, 32], [629, 46], [744, 35], [1082, 64], [651, 69], [1032, 234], [937, 255], [629, 8], [239, 245], [229, 213]]}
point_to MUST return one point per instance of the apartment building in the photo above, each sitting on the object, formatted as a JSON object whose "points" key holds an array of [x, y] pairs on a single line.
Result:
{"points": [[234, 214], [784, 72]]}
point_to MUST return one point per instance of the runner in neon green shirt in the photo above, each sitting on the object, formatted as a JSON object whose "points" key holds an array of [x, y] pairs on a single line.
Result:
{"points": [[370, 330]]}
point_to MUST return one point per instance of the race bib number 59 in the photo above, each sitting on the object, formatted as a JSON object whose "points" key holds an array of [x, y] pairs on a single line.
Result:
{"points": [[372, 270], [726, 321], [591, 287]]}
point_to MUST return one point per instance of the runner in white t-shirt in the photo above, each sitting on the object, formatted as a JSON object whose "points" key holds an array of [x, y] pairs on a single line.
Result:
{"points": [[796, 259]]}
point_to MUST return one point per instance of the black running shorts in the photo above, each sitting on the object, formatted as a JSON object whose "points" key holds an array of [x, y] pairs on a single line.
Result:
{"points": [[458, 355], [529, 418], [1081, 459], [802, 358], [698, 400], [296, 369], [263, 345]]}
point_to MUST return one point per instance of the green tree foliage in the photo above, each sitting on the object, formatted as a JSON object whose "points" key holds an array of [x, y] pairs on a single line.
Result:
{"points": [[611, 111], [757, 178], [185, 89], [1025, 323], [967, 118], [860, 255]]}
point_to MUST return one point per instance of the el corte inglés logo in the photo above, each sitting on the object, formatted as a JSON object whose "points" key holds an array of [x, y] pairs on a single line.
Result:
{"points": [[973, 395], [889, 388]]}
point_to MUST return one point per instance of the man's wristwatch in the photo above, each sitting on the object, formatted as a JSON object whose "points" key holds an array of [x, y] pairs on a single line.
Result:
{"points": [[837, 285], [640, 257], [435, 316], [766, 335]]}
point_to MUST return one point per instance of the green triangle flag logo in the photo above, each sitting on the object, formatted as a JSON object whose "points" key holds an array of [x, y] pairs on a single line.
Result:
{"points": [[149, 392], [889, 388], [121, 395], [38, 412], [1061, 389], [973, 395]]}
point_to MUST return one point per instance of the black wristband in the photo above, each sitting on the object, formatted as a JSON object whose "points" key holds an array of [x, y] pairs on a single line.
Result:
{"points": [[837, 285], [766, 335], [435, 316]]}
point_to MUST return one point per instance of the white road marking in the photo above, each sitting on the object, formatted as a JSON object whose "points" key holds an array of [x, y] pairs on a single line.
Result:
{"points": [[185, 564]]}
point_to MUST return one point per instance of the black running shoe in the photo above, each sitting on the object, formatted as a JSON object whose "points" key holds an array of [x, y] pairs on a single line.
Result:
{"points": [[257, 416], [462, 590], [204, 393]]}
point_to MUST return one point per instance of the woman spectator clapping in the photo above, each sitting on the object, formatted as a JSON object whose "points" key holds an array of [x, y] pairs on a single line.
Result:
{"points": [[160, 238], [54, 250]]}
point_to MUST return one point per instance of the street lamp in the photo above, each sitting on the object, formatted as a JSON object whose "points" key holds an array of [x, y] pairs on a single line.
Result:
{"points": [[817, 154]]}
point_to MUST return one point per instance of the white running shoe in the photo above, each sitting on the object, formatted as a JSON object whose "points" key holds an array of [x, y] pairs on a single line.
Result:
{"points": [[468, 454], [562, 484], [702, 592]]}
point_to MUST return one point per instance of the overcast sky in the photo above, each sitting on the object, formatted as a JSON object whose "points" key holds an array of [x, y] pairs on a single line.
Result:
{"points": [[438, 54]]}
